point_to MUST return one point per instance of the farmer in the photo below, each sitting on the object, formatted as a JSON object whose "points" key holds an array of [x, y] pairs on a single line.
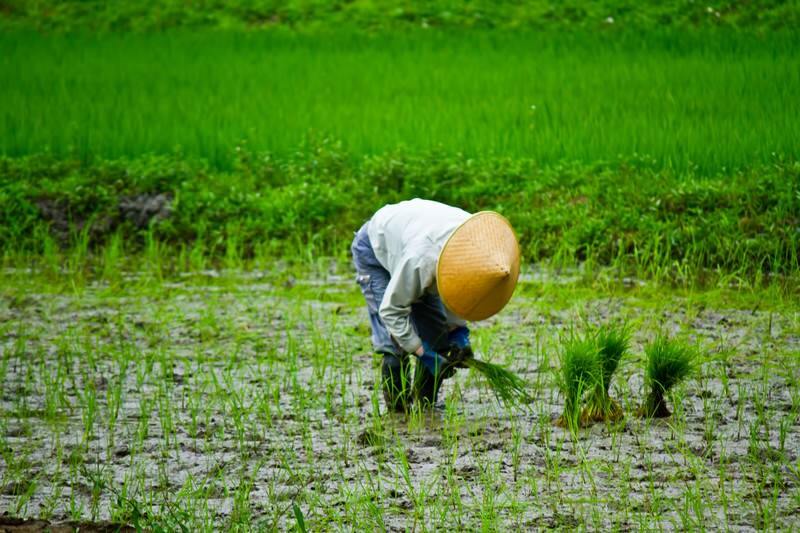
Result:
{"points": [[424, 269]]}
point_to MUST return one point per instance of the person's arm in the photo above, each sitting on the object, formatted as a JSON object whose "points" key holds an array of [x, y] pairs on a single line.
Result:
{"points": [[406, 285]]}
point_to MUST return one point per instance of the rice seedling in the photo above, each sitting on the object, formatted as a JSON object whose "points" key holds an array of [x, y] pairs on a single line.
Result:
{"points": [[669, 362], [509, 388], [580, 373], [612, 345]]}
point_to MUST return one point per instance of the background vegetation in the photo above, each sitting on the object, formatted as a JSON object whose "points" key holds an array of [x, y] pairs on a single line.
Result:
{"points": [[378, 15], [713, 101], [661, 140], [643, 220]]}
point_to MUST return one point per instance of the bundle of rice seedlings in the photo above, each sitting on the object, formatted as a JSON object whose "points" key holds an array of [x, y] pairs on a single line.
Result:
{"points": [[612, 344], [580, 372], [668, 363], [508, 387]]}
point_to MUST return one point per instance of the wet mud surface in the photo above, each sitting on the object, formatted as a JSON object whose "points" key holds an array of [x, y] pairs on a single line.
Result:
{"points": [[32, 525], [215, 403]]}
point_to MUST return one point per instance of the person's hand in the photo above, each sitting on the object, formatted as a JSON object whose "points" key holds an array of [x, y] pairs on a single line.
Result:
{"points": [[459, 337], [437, 365], [460, 348]]}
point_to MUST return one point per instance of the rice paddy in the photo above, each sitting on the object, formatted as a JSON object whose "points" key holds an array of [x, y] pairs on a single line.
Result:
{"points": [[182, 344], [222, 400], [683, 99]]}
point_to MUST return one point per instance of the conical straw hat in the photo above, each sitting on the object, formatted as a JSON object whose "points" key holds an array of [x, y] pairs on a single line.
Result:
{"points": [[479, 266]]}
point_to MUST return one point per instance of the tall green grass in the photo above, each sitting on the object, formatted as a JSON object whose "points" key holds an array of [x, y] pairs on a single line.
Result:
{"points": [[702, 100]]}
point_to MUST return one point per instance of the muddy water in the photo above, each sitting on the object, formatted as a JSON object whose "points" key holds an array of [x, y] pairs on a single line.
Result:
{"points": [[232, 400]]}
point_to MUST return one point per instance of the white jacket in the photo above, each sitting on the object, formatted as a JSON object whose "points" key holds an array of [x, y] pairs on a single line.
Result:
{"points": [[407, 239]]}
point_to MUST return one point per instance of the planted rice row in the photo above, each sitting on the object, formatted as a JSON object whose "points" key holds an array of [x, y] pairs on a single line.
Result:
{"points": [[588, 364]]}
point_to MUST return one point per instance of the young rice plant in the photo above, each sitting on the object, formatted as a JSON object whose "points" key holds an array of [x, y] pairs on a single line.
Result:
{"points": [[580, 372], [612, 345], [668, 363]]}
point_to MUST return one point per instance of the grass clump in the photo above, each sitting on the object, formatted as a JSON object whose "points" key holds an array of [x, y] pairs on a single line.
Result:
{"points": [[509, 388], [668, 363], [611, 345], [580, 372]]}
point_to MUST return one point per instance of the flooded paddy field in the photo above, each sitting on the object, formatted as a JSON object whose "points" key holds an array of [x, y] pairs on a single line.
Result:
{"points": [[250, 402]]}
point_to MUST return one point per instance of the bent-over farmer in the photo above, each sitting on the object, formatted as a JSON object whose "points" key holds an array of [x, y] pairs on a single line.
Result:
{"points": [[425, 268]]}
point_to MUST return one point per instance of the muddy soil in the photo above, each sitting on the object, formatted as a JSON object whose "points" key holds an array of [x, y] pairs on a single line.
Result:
{"points": [[20, 525], [230, 401]]}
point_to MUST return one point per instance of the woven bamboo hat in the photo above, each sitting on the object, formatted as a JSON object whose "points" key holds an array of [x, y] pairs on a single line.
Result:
{"points": [[479, 266]]}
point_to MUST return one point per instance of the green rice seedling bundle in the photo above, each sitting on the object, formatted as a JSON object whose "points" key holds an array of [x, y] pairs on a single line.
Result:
{"points": [[580, 372], [668, 363], [509, 388], [612, 344]]}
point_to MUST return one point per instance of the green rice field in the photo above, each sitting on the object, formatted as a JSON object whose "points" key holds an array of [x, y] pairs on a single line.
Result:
{"points": [[184, 346], [684, 99]]}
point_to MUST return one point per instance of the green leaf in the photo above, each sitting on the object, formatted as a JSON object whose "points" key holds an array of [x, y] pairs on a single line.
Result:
{"points": [[298, 514]]}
